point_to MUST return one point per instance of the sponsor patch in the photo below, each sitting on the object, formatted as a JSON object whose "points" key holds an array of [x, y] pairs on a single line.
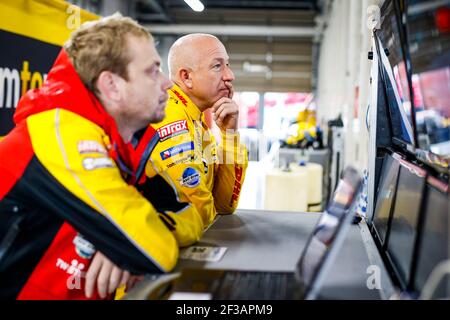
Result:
{"points": [[238, 171], [172, 129], [190, 178], [96, 163], [182, 160], [179, 96], [84, 248], [187, 146], [90, 146], [75, 267]]}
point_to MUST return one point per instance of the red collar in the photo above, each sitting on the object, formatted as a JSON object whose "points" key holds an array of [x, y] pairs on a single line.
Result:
{"points": [[64, 89]]}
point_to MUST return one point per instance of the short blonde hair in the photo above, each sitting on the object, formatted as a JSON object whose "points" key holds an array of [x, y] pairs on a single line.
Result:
{"points": [[102, 46]]}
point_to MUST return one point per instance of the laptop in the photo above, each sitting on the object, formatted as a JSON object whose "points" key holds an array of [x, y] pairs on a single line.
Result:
{"points": [[304, 283]]}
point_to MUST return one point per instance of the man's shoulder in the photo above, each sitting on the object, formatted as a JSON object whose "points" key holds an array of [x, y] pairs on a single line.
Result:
{"points": [[61, 119], [175, 127], [174, 112], [53, 129]]}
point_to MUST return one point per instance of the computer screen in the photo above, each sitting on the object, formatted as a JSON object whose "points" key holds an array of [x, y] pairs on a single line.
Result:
{"points": [[403, 230], [385, 197], [434, 239], [326, 231], [394, 73], [429, 45]]}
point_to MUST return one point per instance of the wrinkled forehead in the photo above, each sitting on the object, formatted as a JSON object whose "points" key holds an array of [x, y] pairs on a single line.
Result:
{"points": [[208, 49]]}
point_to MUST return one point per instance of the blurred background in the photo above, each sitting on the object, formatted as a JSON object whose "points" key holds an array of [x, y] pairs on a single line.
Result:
{"points": [[321, 84], [302, 72]]}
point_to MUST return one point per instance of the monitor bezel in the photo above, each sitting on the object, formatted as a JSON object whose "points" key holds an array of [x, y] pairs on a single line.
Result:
{"points": [[382, 243], [404, 284], [439, 186], [404, 146]]}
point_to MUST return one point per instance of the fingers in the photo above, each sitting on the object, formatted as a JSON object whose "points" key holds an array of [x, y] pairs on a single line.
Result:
{"points": [[114, 279], [216, 115], [125, 278], [226, 116], [106, 275], [229, 107], [220, 102], [92, 273], [103, 278]]}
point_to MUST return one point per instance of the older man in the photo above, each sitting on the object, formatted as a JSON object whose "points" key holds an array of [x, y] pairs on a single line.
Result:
{"points": [[67, 166], [207, 174]]}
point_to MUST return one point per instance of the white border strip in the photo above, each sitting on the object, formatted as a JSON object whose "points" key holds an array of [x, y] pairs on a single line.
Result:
{"points": [[372, 131]]}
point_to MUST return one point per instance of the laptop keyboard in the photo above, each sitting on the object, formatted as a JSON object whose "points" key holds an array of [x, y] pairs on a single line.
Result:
{"points": [[257, 286]]}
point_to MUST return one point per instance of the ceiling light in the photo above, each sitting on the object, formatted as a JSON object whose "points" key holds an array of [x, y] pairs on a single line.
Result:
{"points": [[195, 5]]}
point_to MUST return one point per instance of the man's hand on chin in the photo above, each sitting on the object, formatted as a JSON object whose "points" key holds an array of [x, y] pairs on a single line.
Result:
{"points": [[226, 111]]}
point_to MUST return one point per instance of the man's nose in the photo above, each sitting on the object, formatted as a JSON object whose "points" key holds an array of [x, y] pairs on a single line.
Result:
{"points": [[228, 74]]}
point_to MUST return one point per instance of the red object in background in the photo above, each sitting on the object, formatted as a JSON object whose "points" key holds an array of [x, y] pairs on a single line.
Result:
{"points": [[418, 99], [442, 19], [294, 98], [252, 116], [269, 103], [435, 89]]}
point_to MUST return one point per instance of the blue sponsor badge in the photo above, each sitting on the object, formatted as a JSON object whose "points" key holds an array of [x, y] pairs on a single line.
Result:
{"points": [[187, 146], [83, 248], [190, 178]]}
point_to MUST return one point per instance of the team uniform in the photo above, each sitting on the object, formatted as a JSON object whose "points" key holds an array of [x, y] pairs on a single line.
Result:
{"points": [[66, 191], [207, 174]]}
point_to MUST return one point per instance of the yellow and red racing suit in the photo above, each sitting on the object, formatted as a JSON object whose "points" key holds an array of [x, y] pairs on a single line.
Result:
{"points": [[207, 174], [63, 194]]}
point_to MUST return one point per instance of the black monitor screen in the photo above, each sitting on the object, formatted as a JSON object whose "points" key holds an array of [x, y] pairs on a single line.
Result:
{"points": [[434, 242], [386, 194], [405, 216], [429, 43], [395, 74], [330, 223]]}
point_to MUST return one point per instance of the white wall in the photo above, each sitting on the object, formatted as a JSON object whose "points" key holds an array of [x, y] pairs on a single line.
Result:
{"points": [[344, 67]]}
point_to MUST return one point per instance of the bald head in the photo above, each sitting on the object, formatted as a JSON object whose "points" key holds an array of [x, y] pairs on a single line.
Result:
{"points": [[198, 64], [189, 51]]}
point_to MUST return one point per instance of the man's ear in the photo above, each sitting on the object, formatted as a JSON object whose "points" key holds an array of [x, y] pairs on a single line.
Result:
{"points": [[185, 76], [110, 85]]}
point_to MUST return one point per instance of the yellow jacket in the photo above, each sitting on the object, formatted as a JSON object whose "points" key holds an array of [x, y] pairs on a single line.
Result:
{"points": [[207, 174]]}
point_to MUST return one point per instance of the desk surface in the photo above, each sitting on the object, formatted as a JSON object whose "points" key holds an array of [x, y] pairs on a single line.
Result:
{"points": [[273, 241], [257, 240]]}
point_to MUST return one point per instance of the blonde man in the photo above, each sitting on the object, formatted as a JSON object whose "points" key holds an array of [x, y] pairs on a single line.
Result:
{"points": [[67, 166]]}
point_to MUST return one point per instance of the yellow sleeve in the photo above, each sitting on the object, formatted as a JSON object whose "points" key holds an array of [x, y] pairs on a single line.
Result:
{"points": [[230, 173], [179, 215], [111, 214], [175, 157]]}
